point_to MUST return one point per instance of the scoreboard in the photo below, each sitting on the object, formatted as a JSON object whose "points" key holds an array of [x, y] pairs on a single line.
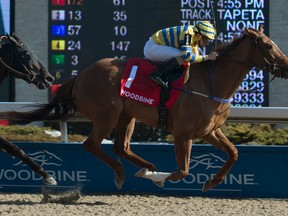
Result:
{"points": [[6, 26], [84, 31]]}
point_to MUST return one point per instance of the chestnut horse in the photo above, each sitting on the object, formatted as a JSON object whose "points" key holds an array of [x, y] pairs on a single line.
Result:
{"points": [[16, 59], [195, 114]]}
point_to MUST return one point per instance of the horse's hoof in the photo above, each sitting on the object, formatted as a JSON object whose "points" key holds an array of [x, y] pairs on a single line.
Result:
{"points": [[159, 183], [50, 181], [118, 182], [208, 185], [141, 173]]}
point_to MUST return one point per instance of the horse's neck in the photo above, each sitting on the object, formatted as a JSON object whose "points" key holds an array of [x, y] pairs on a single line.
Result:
{"points": [[227, 75]]}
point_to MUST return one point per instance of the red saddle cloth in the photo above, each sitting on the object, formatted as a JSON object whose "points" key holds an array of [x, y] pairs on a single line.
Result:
{"points": [[137, 85]]}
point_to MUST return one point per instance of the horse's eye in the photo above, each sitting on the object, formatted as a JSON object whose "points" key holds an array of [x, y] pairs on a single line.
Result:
{"points": [[26, 56]]}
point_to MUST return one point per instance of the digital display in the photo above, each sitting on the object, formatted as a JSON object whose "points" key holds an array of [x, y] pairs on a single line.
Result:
{"points": [[5, 16], [84, 31], [6, 27]]}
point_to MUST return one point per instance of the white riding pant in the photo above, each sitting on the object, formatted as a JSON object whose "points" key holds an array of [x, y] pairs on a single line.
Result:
{"points": [[159, 53]]}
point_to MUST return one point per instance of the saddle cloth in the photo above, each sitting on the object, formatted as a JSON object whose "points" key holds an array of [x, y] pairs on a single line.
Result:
{"points": [[137, 85]]}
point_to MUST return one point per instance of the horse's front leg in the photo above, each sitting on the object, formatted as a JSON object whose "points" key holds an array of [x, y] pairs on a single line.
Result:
{"points": [[182, 151], [220, 141], [8, 147]]}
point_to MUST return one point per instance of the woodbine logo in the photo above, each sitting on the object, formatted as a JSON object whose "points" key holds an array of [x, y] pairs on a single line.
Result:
{"points": [[137, 97], [205, 167], [43, 158]]}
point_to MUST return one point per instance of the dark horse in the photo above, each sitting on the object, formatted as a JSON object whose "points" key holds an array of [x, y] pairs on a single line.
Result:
{"points": [[95, 94], [16, 59]]}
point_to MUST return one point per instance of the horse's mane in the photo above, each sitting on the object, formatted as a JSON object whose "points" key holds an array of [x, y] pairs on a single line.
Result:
{"points": [[226, 47]]}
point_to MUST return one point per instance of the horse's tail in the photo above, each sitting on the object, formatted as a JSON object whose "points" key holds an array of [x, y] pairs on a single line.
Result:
{"points": [[62, 104]]}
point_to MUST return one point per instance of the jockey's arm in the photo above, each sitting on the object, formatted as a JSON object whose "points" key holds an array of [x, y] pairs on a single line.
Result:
{"points": [[191, 54]]}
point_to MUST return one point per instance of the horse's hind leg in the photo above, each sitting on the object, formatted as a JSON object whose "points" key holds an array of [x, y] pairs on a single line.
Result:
{"points": [[14, 150], [93, 143], [123, 133], [220, 141]]}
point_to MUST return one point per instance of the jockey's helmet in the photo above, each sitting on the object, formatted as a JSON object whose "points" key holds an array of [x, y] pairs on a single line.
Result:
{"points": [[206, 29]]}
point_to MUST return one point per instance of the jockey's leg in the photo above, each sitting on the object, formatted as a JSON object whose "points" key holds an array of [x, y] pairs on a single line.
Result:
{"points": [[171, 56], [160, 75]]}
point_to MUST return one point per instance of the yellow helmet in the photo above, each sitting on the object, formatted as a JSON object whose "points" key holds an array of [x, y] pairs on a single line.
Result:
{"points": [[206, 29]]}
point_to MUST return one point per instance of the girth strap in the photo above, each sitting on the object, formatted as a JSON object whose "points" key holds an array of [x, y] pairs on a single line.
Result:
{"points": [[162, 109]]}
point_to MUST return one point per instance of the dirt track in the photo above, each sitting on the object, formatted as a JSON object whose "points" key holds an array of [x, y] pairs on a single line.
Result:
{"points": [[112, 205]]}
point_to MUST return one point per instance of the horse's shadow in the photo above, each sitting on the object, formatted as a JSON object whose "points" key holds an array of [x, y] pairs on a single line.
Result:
{"points": [[98, 203], [18, 203]]}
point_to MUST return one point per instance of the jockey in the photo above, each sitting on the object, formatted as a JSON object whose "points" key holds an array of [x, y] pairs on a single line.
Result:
{"points": [[174, 46]]}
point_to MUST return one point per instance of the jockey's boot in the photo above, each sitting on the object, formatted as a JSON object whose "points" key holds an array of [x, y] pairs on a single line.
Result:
{"points": [[160, 75]]}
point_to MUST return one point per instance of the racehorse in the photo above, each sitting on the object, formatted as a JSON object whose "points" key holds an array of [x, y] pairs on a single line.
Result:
{"points": [[198, 112], [16, 59]]}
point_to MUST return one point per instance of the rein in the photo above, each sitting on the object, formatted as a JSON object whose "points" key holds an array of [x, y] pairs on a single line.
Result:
{"points": [[14, 72], [211, 97], [266, 67], [250, 65], [269, 66]]}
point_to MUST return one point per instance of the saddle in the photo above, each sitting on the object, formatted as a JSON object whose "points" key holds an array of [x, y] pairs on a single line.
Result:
{"points": [[136, 85]]}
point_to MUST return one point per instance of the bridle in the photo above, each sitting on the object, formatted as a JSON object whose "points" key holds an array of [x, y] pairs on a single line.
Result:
{"points": [[29, 77], [269, 66], [272, 65]]}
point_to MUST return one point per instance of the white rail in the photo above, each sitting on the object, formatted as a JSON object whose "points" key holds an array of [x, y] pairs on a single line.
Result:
{"points": [[259, 114], [249, 115]]}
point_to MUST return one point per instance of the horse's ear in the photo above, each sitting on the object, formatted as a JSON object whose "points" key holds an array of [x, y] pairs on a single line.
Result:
{"points": [[14, 36], [252, 32], [4, 40], [261, 29], [247, 31], [236, 35]]}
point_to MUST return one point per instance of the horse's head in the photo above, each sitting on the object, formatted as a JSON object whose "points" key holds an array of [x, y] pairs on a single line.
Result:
{"points": [[18, 60], [269, 57]]}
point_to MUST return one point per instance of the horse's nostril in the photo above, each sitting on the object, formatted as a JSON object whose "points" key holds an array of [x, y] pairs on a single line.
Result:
{"points": [[49, 79]]}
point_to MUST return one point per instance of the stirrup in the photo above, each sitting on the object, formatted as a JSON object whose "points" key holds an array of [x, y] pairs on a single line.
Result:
{"points": [[156, 77], [159, 81]]}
